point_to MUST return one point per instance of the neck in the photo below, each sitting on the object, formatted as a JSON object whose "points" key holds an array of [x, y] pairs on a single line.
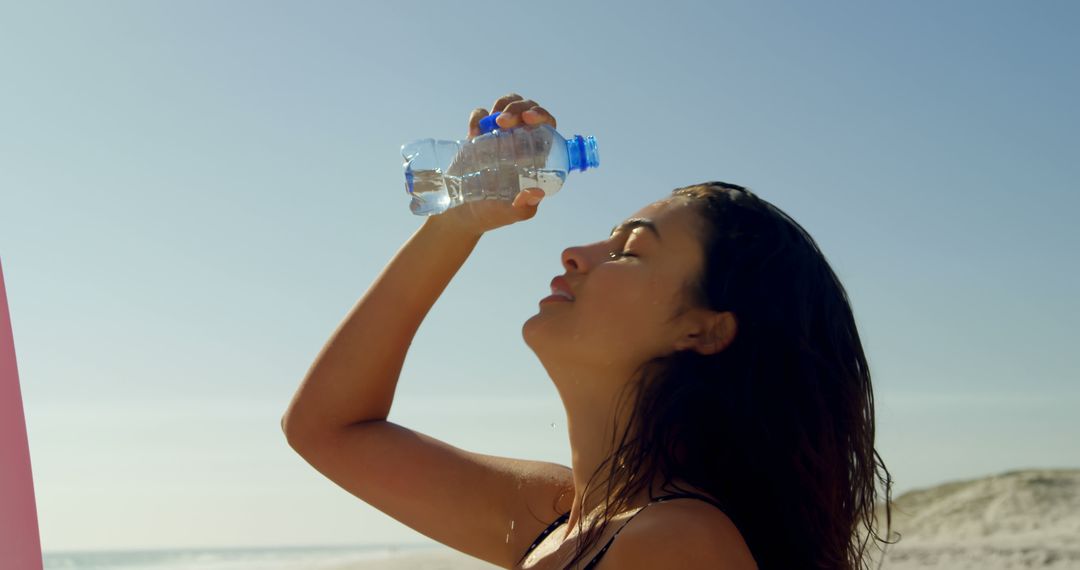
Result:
{"points": [[591, 430]]}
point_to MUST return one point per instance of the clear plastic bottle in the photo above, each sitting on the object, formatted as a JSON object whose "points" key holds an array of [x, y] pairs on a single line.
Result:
{"points": [[495, 165]]}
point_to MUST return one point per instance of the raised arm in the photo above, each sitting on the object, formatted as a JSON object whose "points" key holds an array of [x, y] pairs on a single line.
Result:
{"points": [[488, 507]]}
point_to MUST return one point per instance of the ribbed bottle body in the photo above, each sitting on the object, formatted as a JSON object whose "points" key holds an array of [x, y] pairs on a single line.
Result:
{"points": [[495, 166]]}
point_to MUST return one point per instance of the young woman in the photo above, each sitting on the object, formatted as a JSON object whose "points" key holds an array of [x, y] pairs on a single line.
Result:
{"points": [[718, 400]]}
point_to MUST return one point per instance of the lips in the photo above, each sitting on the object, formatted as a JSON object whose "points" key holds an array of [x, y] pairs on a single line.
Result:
{"points": [[560, 286]]}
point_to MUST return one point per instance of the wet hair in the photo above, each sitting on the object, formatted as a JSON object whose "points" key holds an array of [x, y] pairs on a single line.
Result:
{"points": [[778, 427]]}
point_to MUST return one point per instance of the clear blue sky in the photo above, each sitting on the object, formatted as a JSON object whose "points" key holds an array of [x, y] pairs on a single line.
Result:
{"points": [[193, 194]]}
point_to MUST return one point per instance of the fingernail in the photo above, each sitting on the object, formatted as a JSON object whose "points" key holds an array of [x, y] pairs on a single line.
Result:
{"points": [[503, 118], [532, 200]]}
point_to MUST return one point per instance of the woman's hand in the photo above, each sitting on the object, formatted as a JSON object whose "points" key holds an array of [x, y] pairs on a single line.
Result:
{"points": [[483, 215]]}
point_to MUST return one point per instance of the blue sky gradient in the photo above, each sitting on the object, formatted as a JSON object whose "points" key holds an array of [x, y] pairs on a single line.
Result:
{"points": [[193, 195]]}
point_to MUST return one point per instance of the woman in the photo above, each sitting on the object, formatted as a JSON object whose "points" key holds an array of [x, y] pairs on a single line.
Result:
{"points": [[707, 353]]}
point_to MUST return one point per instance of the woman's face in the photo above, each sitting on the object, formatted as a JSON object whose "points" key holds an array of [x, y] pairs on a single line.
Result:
{"points": [[620, 314]]}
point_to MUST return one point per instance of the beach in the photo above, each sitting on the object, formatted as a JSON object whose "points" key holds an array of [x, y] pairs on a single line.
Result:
{"points": [[1018, 519], [431, 556], [437, 559]]}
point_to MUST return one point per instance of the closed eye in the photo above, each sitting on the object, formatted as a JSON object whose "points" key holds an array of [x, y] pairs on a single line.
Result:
{"points": [[619, 254]]}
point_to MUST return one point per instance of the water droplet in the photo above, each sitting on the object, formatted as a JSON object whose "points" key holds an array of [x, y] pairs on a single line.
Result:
{"points": [[511, 525]]}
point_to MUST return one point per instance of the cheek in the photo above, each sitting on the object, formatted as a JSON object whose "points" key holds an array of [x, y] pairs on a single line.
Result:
{"points": [[623, 298]]}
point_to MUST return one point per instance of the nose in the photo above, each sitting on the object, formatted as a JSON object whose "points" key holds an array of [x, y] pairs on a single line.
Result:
{"points": [[570, 259], [581, 258]]}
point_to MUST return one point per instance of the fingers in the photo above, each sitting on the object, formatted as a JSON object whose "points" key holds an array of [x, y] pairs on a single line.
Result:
{"points": [[538, 115], [474, 120], [505, 100], [524, 111], [514, 110]]}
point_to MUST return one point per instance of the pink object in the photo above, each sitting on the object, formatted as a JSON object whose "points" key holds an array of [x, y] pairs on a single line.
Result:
{"points": [[20, 543]]}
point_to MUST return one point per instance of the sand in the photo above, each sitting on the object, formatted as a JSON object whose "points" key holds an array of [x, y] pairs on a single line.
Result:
{"points": [[1019, 519], [435, 559]]}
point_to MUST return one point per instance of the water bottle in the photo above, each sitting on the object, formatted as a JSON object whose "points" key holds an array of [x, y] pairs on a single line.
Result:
{"points": [[495, 165]]}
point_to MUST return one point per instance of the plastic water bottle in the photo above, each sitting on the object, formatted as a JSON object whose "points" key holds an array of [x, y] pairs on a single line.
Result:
{"points": [[495, 165]]}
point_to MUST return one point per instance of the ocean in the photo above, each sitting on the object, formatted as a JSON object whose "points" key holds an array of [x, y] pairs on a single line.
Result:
{"points": [[290, 558]]}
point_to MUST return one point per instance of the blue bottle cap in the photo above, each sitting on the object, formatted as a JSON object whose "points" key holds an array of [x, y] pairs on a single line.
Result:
{"points": [[487, 124], [582, 153]]}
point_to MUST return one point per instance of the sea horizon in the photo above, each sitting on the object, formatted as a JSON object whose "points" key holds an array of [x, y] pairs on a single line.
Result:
{"points": [[231, 558]]}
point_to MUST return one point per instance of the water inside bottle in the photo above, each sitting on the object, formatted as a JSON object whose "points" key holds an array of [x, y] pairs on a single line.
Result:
{"points": [[434, 193], [429, 194]]}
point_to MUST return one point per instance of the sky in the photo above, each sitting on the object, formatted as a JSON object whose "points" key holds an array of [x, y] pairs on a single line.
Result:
{"points": [[194, 194]]}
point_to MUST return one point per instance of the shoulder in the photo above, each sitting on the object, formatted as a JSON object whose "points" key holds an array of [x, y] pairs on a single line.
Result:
{"points": [[683, 533]]}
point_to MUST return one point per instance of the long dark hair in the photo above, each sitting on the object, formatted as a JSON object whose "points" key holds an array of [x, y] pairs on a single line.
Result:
{"points": [[778, 427]]}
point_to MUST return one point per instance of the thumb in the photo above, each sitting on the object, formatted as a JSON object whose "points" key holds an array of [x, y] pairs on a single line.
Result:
{"points": [[527, 201], [529, 197]]}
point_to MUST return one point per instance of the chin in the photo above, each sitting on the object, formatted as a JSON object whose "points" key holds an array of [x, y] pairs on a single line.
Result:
{"points": [[531, 329], [540, 342]]}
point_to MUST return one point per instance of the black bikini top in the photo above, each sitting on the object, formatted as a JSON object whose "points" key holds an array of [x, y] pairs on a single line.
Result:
{"points": [[592, 563]]}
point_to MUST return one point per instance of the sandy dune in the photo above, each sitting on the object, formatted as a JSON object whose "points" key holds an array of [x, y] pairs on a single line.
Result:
{"points": [[1019, 519]]}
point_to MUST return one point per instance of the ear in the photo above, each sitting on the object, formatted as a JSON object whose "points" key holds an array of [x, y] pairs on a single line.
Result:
{"points": [[712, 332]]}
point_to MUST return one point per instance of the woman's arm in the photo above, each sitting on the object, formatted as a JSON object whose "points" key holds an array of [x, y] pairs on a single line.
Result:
{"points": [[486, 506]]}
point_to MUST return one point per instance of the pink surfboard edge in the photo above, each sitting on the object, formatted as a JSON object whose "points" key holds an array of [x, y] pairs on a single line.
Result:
{"points": [[20, 541]]}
